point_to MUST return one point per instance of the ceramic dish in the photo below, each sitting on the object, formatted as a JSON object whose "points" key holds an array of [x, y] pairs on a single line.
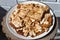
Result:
{"points": [[20, 36]]}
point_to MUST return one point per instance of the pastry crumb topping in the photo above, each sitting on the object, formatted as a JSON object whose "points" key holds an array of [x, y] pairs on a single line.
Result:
{"points": [[31, 19]]}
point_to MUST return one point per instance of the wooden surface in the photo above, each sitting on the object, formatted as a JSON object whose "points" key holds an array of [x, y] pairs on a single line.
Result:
{"points": [[10, 36]]}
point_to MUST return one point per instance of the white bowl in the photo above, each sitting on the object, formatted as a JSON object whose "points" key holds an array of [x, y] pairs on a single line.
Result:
{"points": [[20, 36]]}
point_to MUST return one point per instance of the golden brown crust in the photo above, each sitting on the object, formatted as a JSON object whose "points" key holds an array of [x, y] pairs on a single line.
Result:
{"points": [[28, 19]]}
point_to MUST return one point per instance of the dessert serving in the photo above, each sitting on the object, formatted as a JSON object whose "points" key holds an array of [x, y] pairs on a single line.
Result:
{"points": [[30, 19]]}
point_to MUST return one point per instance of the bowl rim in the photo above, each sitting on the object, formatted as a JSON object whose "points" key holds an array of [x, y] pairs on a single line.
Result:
{"points": [[28, 2]]}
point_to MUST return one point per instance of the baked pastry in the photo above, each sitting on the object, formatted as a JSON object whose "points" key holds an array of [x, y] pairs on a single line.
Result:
{"points": [[31, 19]]}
